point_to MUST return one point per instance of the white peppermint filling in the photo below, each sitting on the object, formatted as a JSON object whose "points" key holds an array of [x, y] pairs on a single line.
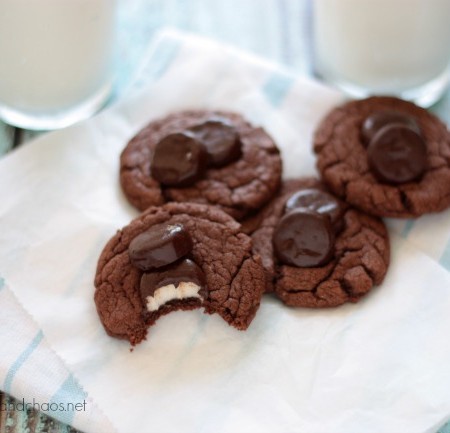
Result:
{"points": [[170, 292]]}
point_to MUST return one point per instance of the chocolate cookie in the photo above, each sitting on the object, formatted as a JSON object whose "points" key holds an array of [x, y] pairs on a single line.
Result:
{"points": [[360, 250], [179, 256], [385, 156], [241, 172]]}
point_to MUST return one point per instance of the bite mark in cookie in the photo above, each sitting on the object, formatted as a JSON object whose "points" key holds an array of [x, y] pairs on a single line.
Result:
{"points": [[182, 280]]}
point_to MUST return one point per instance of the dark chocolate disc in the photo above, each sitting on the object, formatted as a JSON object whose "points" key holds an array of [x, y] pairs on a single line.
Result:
{"points": [[178, 160], [220, 139], [397, 154], [184, 270], [318, 201], [160, 245], [377, 120], [304, 238]]}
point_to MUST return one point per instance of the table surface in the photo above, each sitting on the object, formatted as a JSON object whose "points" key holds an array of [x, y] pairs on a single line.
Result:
{"points": [[275, 29]]}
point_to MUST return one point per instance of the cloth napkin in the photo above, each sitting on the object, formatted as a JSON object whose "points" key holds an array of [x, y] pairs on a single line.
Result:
{"points": [[378, 366]]}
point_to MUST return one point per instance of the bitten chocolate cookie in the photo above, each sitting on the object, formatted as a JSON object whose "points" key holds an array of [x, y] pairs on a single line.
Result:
{"points": [[385, 156], [317, 251], [207, 157], [179, 256]]}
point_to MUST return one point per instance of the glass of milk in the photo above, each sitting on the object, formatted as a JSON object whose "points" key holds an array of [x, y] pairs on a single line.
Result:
{"points": [[56, 60], [396, 47]]}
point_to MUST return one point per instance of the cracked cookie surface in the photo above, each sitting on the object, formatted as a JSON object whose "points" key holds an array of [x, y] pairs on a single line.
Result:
{"points": [[238, 188], [360, 261], [234, 276], [342, 161]]}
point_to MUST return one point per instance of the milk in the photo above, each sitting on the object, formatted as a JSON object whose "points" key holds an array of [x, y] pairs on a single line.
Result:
{"points": [[382, 46], [55, 57]]}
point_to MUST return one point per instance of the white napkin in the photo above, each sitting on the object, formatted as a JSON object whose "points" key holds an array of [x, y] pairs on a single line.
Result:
{"points": [[378, 366]]}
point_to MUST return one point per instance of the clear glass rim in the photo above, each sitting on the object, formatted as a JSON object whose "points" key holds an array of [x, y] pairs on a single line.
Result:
{"points": [[424, 95], [62, 119]]}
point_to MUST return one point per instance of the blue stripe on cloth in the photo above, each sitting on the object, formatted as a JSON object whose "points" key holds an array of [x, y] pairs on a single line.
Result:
{"points": [[409, 224], [276, 87], [161, 58], [445, 428], [70, 398], [21, 359], [445, 258], [2, 283]]}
